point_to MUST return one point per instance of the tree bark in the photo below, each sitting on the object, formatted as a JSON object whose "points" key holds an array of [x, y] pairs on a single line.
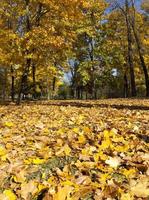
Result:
{"points": [[4, 85], [130, 52], [39, 10], [23, 85], [23, 82], [139, 48], [125, 86], [34, 80], [92, 81], [143, 65], [12, 84], [54, 83]]}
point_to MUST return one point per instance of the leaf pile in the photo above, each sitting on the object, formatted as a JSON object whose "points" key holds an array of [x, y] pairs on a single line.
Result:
{"points": [[70, 153]]}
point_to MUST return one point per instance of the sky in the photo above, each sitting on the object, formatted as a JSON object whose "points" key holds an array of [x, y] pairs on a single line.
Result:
{"points": [[137, 2]]}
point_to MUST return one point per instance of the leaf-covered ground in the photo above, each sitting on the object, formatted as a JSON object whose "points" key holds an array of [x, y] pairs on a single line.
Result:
{"points": [[54, 152]]}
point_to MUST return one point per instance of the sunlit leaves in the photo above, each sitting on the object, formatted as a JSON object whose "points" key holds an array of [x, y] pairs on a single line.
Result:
{"points": [[69, 152], [9, 195]]}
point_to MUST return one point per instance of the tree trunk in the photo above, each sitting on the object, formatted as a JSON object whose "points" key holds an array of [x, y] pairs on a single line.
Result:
{"points": [[4, 85], [125, 86], [78, 93], [132, 22], [34, 80], [23, 84], [86, 95], [92, 78], [12, 84], [143, 65], [54, 83], [130, 53]]}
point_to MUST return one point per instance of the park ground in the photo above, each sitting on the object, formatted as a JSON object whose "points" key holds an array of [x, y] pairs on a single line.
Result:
{"points": [[75, 150]]}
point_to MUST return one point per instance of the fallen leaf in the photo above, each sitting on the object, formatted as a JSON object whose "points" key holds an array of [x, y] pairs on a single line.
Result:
{"points": [[113, 162], [10, 195]]}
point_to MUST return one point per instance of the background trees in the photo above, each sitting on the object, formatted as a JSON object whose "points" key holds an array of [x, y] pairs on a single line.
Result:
{"points": [[101, 45]]}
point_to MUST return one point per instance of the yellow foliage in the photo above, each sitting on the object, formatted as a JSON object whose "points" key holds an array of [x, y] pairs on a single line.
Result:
{"points": [[38, 161], [10, 195], [67, 150], [2, 151], [63, 193], [9, 124], [46, 153]]}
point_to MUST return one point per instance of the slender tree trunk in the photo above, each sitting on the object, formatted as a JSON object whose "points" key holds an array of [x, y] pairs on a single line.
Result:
{"points": [[143, 65], [132, 22], [81, 93], [78, 92], [34, 80], [54, 83], [91, 54], [125, 86], [12, 84], [130, 53], [4, 85], [23, 84], [86, 95]]}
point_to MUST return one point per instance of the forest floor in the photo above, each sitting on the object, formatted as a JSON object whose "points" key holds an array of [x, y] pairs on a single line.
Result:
{"points": [[75, 150]]}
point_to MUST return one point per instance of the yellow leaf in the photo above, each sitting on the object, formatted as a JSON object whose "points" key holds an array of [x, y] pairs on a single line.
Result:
{"points": [[127, 196], [106, 133], [76, 130], [96, 157], [82, 139], [100, 156], [43, 175], [2, 151], [86, 129], [104, 177], [68, 183], [9, 124], [103, 156], [140, 188], [113, 162], [105, 144], [67, 150], [20, 177], [4, 158], [121, 148], [28, 161], [63, 193], [38, 161], [130, 173], [41, 187], [28, 188], [10, 195], [85, 151]]}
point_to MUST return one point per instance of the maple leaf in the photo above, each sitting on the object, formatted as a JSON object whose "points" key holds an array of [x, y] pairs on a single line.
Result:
{"points": [[63, 193], [113, 162], [141, 188], [28, 188]]}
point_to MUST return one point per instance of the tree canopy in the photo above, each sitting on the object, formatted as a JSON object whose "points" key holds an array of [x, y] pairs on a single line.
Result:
{"points": [[102, 45]]}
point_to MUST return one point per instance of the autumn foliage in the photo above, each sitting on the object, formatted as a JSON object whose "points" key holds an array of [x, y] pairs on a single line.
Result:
{"points": [[55, 152], [102, 45]]}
